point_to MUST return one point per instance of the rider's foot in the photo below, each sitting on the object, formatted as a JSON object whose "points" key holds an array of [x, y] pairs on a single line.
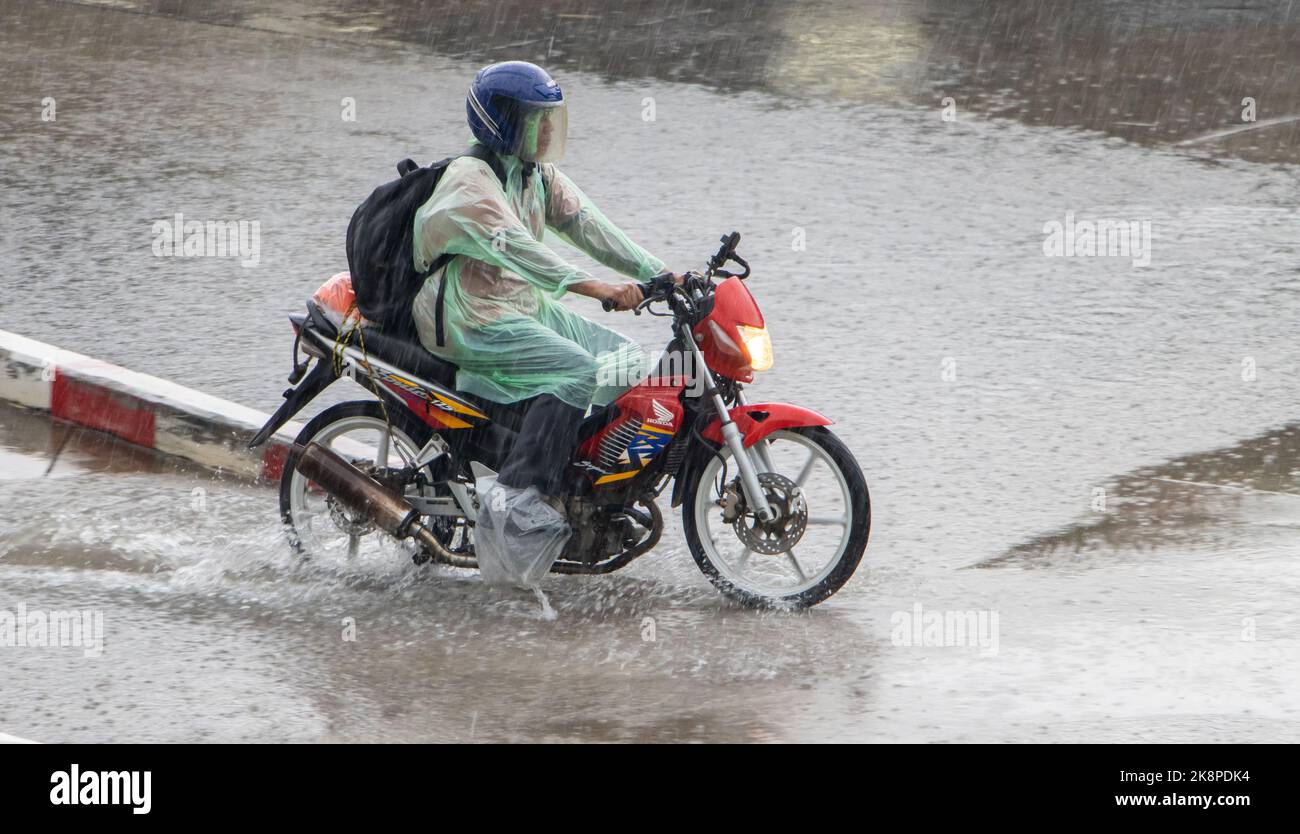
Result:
{"points": [[554, 503]]}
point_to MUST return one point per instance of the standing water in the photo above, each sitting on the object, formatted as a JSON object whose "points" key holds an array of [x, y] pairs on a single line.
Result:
{"points": [[1088, 453]]}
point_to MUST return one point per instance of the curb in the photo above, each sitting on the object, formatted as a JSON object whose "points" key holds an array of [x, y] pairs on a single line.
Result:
{"points": [[140, 409]]}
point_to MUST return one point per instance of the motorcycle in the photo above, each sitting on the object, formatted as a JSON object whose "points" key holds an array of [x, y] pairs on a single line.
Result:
{"points": [[775, 509]]}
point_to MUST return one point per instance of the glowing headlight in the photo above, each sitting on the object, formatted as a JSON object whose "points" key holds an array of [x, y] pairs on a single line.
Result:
{"points": [[759, 345]]}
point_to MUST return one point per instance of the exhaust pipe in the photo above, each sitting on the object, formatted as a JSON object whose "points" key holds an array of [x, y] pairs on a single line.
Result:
{"points": [[363, 494]]}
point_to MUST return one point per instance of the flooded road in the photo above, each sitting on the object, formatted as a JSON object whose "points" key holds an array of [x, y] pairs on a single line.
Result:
{"points": [[213, 632], [1090, 449]]}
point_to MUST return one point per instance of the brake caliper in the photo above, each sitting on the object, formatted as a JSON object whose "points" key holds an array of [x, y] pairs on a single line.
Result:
{"points": [[732, 502]]}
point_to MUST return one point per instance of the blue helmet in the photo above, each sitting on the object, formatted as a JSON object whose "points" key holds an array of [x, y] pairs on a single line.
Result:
{"points": [[516, 108]]}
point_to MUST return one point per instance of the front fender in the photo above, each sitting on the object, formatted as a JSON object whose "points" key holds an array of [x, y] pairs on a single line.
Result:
{"points": [[757, 420]]}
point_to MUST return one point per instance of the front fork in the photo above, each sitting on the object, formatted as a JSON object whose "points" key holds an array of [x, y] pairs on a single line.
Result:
{"points": [[731, 435], [760, 449]]}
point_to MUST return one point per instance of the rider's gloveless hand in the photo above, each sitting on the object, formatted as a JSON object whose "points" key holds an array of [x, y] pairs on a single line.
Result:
{"points": [[624, 296]]}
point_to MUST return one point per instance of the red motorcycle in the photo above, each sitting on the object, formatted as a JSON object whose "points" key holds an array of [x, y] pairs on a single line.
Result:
{"points": [[774, 507]]}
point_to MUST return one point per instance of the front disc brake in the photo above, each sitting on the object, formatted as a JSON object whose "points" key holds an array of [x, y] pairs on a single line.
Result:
{"points": [[784, 531]]}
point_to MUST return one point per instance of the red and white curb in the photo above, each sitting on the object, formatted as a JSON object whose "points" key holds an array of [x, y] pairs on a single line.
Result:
{"points": [[139, 408]]}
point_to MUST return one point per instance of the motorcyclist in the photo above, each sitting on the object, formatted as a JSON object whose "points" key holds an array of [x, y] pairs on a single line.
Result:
{"points": [[502, 323]]}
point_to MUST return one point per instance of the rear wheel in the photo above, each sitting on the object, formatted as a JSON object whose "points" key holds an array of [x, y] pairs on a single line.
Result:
{"points": [[318, 525], [814, 545]]}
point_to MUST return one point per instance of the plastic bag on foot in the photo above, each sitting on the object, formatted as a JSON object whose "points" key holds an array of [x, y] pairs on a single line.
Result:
{"points": [[518, 535]]}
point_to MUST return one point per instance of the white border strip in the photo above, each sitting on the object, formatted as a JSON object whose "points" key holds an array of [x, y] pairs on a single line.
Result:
{"points": [[187, 423]]}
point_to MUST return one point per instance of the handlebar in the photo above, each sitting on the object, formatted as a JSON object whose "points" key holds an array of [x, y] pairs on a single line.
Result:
{"points": [[662, 285], [647, 289]]}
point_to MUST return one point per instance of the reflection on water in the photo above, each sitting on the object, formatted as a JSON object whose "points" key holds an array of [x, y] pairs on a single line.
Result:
{"points": [[35, 446], [1156, 72], [1200, 501]]}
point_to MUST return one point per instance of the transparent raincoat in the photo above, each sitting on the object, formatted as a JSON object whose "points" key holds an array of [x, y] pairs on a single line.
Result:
{"points": [[503, 324]]}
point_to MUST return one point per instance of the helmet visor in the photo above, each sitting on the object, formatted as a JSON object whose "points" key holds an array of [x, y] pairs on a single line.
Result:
{"points": [[543, 133]]}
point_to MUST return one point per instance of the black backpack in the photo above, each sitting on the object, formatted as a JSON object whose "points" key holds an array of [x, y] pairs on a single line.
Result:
{"points": [[380, 239]]}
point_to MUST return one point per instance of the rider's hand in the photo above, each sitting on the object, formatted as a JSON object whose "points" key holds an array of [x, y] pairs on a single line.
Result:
{"points": [[624, 296]]}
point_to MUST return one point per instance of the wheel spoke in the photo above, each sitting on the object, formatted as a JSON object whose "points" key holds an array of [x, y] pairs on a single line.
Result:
{"points": [[798, 568], [354, 545], [807, 468], [837, 520], [381, 456]]}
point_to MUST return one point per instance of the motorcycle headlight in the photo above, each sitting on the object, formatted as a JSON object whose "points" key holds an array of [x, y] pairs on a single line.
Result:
{"points": [[759, 346]]}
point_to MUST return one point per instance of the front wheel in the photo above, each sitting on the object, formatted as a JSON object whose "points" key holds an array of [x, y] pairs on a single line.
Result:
{"points": [[819, 535]]}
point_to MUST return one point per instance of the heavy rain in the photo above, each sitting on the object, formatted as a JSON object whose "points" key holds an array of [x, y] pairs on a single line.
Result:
{"points": [[1035, 259]]}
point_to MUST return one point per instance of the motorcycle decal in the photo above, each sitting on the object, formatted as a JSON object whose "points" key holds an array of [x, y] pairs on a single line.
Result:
{"points": [[417, 392], [617, 476], [402, 384], [416, 395], [663, 417], [447, 420], [422, 404], [646, 443], [459, 407], [617, 438]]}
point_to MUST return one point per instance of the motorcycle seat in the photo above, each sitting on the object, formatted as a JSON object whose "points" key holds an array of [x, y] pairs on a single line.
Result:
{"points": [[409, 356]]}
